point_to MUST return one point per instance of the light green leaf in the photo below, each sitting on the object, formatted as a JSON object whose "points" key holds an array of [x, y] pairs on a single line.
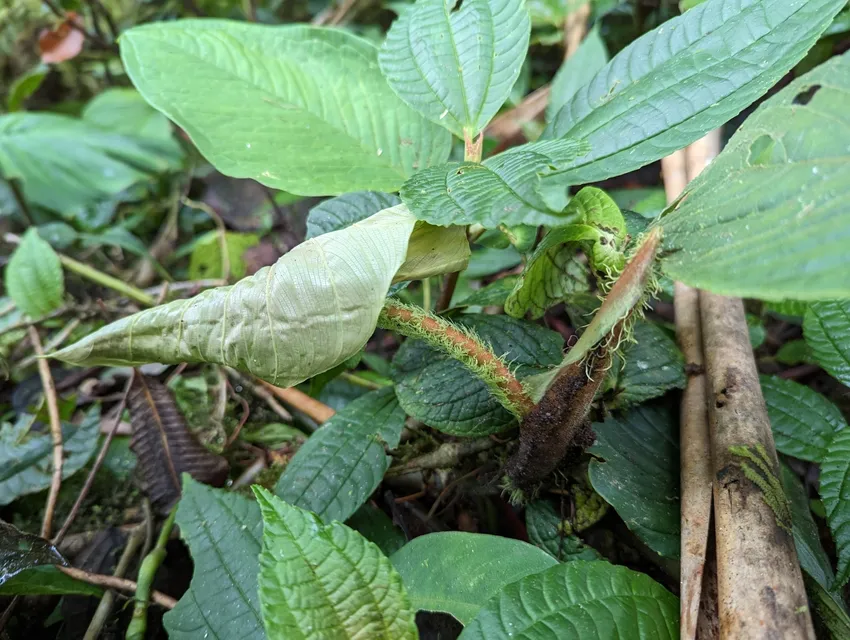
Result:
{"points": [[26, 461], [65, 163], [24, 86], [224, 532], [790, 309], [307, 109], [577, 71], [342, 464], [456, 572], [552, 12], [545, 531], [576, 601], [441, 392], [434, 250], [652, 366], [376, 526], [640, 473], [125, 111], [795, 352], [326, 581], [34, 278], [767, 218], [206, 260], [826, 328], [803, 421], [314, 308], [688, 76], [501, 190], [455, 61], [342, 211], [835, 494]]}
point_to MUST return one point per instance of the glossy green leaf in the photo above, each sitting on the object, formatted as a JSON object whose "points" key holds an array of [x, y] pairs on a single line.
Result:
{"points": [[20, 551], [26, 462], [579, 600], [224, 533], [835, 493], [65, 163], [831, 612], [826, 328], [207, 259], [442, 393], [688, 76], [639, 473], [326, 581], [545, 531], [376, 526], [342, 211], [343, 462], [46, 580], [24, 86], [767, 218], [803, 421], [307, 108], [34, 278], [314, 308], [501, 190], [455, 61], [577, 71], [652, 365], [456, 572]]}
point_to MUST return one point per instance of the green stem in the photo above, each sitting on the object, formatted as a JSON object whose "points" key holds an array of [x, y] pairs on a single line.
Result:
{"points": [[139, 622], [90, 273]]}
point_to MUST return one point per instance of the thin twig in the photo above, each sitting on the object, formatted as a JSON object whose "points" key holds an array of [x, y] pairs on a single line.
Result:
{"points": [[54, 342], [449, 487], [299, 400], [188, 285], [261, 393], [446, 293], [446, 456], [121, 584], [55, 432], [101, 456], [246, 411]]}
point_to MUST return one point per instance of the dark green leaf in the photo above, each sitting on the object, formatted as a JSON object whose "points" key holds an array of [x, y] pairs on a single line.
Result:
{"points": [[34, 278], [343, 463], [652, 366], [338, 213], [20, 551], [691, 74], [493, 294], [326, 581], [303, 104], [767, 218], [795, 352], [456, 572], [47, 580], [579, 600], [455, 61], [640, 473], [577, 71], [376, 526], [835, 493], [545, 531], [224, 533], [826, 328], [442, 393], [803, 421]]}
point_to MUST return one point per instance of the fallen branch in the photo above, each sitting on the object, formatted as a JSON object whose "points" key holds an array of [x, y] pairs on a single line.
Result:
{"points": [[445, 456], [120, 584], [55, 432]]}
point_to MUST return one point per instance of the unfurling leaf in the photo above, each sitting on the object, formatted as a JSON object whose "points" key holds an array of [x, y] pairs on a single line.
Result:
{"points": [[34, 277], [768, 218], [308, 109], [314, 308], [326, 581], [165, 446], [20, 551], [455, 61], [686, 77]]}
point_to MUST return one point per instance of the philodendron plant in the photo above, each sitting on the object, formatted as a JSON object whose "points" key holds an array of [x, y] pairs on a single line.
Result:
{"points": [[320, 112]]}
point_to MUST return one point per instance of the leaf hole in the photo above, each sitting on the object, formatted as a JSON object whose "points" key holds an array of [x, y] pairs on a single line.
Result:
{"points": [[457, 7], [805, 97]]}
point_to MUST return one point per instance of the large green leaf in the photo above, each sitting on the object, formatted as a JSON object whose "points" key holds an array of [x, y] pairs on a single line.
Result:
{"points": [[47, 580], [376, 526], [224, 532], [577, 71], [314, 308], [640, 473], [835, 493], [826, 328], [342, 211], [457, 572], [126, 111], [767, 218], [652, 365], [690, 75], [545, 530], [297, 108], [455, 61], [501, 190], [341, 464], [438, 390], [34, 278], [26, 460], [803, 421], [577, 601], [326, 581]]}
